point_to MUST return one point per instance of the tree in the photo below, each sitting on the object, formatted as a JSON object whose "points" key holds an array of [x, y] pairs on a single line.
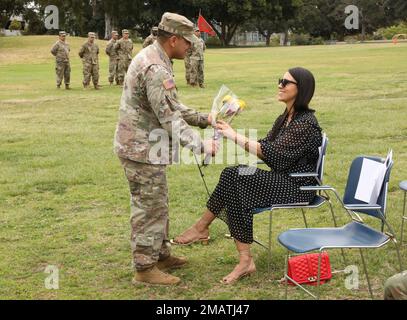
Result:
{"points": [[276, 16], [226, 16], [15, 25]]}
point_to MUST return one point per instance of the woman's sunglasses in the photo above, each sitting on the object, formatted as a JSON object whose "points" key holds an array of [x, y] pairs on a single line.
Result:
{"points": [[285, 82]]}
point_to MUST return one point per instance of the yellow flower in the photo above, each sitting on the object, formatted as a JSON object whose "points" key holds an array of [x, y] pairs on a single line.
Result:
{"points": [[242, 104], [226, 98]]}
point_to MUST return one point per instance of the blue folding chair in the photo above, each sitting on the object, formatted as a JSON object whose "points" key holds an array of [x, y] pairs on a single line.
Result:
{"points": [[354, 235], [321, 198]]}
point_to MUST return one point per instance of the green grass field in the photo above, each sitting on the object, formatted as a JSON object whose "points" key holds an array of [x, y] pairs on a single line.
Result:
{"points": [[64, 199]]}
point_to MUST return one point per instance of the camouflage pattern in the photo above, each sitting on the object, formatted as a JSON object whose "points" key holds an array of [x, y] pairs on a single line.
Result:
{"points": [[197, 63], [149, 213], [150, 102], [396, 287], [149, 40], [113, 61], [187, 62], [89, 54], [124, 50], [62, 66]]}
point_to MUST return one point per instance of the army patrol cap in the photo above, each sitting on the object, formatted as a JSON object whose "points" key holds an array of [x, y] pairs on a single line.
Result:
{"points": [[124, 31], [62, 33], [115, 32], [91, 35], [155, 29], [178, 25]]}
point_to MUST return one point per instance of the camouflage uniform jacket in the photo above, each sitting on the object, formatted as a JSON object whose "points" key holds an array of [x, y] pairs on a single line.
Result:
{"points": [[89, 53], [149, 40], [61, 51], [197, 50], [110, 49], [150, 102], [124, 49]]}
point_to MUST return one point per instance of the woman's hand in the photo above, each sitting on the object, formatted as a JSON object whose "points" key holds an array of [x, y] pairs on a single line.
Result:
{"points": [[226, 130]]}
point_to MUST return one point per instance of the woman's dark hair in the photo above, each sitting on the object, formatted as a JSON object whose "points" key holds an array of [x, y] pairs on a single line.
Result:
{"points": [[306, 88]]}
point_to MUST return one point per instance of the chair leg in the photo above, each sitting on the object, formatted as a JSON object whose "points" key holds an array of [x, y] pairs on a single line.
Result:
{"points": [[402, 219], [366, 274], [319, 275], [286, 274], [270, 239], [398, 254], [305, 218], [336, 226], [333, 214]]}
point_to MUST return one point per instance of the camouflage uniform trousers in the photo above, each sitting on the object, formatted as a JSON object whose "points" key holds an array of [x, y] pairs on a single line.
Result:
{"points": [[113, 71], [197, 72], [149, 213], [396, 287], [63, 71], [122, 67], [187, 62], [90, 70]]}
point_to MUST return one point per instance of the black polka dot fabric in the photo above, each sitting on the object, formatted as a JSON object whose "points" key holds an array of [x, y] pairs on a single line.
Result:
{"points": [[242, 189]]}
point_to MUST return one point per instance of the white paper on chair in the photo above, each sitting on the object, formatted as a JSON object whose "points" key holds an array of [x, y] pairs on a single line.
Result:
{"points": [[370, 181]]}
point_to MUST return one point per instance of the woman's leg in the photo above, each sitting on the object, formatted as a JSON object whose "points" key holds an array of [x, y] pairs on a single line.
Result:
{"points": [[199, 231], [246, 264]]}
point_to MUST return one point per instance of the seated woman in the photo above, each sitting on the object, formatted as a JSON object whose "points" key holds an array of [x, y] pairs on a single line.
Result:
{"points": [[291, 146]]}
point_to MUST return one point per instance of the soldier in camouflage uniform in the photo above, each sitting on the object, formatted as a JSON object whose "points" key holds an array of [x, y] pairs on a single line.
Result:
{"points": [[113, 75], [124, 50], [89, 54], [150, 107], [61, 52], [396, 287], [187, 62], [197, 61], [151, 38]]}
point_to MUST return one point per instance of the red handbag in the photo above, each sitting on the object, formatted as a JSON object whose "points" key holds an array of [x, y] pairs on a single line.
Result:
{"points": [[303, 269]]}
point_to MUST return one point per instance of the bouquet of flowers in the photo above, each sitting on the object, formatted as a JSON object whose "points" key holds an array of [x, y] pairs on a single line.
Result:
{"points": [[225, 107]]}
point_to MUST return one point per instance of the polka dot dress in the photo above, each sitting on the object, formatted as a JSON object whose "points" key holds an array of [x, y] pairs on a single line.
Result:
{"points": [[242, 189]]}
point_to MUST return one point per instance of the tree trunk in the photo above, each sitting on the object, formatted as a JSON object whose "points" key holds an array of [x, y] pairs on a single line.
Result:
{"points": [[285, 37], [93, 3], [268, 38], [108, 26], [363, 23]]}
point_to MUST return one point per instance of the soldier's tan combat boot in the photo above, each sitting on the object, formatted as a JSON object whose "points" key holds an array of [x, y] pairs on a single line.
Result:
{"points": [[154, 276], [58, 87], [67, 87], [97, 87], [171, 263]]}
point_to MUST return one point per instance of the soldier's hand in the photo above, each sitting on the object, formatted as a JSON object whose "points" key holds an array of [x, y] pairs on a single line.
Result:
{"points": [[211, 147]]}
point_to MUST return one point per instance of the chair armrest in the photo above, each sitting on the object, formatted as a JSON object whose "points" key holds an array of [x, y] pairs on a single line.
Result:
{"points": [[362, 207], [317, 188], [304, 175]]}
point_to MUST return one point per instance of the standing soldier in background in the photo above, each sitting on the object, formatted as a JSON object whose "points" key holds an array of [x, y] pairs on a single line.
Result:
{"points": [[113, 72], [124, 50], [89, 54], [61, 52], [150, 107], [187, 61], [151, 38], [197, 61]]}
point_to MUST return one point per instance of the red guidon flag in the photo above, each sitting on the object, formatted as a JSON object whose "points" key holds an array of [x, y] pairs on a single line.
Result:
{"points": [[204, 26]]}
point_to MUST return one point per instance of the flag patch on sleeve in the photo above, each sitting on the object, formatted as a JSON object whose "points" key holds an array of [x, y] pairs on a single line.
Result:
{"points": [[169, 84]]}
